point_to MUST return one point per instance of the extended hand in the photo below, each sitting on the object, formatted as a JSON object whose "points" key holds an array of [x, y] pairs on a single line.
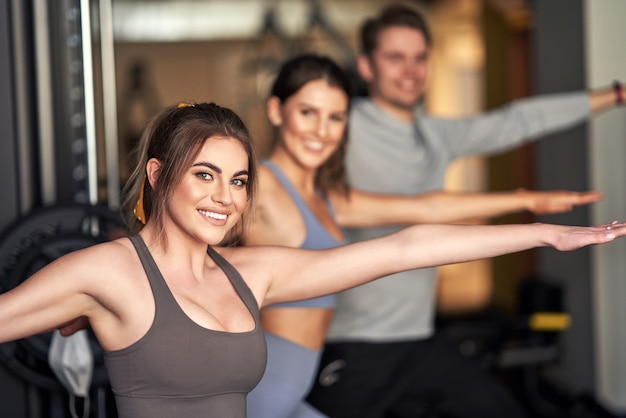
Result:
{"points": [[574, 237], [543, 203]]}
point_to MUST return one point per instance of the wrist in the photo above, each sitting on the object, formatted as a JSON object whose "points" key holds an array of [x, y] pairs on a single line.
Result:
{"points": [[619, 93], [527, 199]]}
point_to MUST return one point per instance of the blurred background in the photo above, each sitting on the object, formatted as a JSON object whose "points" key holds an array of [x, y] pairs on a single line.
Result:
{"points": [[80, 78]]}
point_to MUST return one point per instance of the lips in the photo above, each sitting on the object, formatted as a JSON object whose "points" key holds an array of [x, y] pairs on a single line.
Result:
{"points": [[408, 86]]}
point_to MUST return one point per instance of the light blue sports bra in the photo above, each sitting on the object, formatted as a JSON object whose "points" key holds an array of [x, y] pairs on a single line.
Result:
{"points": [[317, 238]]}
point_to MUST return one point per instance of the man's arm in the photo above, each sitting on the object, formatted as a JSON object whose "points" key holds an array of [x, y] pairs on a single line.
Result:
{"points": [[606, 98]]}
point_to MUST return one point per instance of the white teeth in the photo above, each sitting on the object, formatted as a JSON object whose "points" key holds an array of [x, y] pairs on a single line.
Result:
{"points": [[213, 215], [316, 145]]}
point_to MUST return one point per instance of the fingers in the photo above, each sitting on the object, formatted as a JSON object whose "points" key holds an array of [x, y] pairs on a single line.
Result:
{"points": [[579, 198], [612, 226], [612, 230], [588, 197], [563, 201], [578, 237], [74, 326]]}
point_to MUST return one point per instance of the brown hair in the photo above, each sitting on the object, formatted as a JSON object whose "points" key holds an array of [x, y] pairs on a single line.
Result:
{"points": [[174, 137], [392, 16]]}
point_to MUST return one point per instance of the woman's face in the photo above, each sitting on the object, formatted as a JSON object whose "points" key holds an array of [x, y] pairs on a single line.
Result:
{"points": [[212, 196], [312, 123]]}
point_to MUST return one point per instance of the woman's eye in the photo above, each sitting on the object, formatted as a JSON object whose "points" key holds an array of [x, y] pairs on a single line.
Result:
{"points": [[204, 176], [239, 182], [306, 112], [338, 118]]}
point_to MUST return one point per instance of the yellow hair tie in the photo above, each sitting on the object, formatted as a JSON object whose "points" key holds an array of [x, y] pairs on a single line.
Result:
{"points": [[183, 104], [139, 212]]}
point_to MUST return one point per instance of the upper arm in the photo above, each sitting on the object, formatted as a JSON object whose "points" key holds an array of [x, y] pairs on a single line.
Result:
{"points": [[283, 274], [63, 290]]}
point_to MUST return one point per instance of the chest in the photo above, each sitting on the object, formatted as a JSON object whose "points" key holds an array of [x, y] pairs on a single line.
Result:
{"points": [[387, 161], [299, 217], [177, 357], [203, 341]]}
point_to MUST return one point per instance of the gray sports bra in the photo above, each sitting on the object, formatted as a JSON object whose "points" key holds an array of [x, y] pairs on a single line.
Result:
{"points": [[180, 369], [317, 238]]}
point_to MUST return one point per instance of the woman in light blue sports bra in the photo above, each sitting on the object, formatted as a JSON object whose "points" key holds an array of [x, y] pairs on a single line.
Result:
{"points": [[309, 108], [304, 173]]}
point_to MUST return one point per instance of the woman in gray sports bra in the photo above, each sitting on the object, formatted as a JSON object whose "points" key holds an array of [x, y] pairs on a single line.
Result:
{"points": [[176, 313], [308, 106]]}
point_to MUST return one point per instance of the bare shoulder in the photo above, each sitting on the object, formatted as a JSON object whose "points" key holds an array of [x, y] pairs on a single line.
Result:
{"points": [[275, 217], [254, 262], [105, 264], [261, 260], [269, 190], [109, 255], [245, 257], [250, 262], [269, 186], [113, 275]]}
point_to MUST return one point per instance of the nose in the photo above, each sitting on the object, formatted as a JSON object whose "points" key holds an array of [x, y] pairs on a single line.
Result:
{"points": [[410, 67], [221, 193], [322, 127], [416, 67]]}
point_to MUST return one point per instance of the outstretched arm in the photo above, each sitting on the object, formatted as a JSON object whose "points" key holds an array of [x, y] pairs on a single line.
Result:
{"points": [[305, 274], [45, 300], [362, 209], [87, 283]]}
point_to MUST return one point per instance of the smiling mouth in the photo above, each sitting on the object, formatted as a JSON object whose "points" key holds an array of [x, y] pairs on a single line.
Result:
{"points": [[214, 215], [315, 145], [408, 85]]}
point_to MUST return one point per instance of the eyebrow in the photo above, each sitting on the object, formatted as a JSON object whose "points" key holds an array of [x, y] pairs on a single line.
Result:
{"points": [[316, 108], [219, 170], [208, 165]]}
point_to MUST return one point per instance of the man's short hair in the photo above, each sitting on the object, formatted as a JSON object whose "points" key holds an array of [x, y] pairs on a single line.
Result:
{"points": [[391, 16]]}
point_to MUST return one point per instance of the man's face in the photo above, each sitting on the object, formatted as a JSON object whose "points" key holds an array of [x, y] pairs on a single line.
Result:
{"points": [[396, 72]]}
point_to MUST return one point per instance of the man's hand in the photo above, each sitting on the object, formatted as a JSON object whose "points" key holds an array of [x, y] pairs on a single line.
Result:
{"points": [[544, 203], [71, 327]]}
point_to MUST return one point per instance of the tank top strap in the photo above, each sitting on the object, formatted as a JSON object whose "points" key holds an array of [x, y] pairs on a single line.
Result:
{"points": [[238, 283], [302, 207], [162, 294], [159, 287]]}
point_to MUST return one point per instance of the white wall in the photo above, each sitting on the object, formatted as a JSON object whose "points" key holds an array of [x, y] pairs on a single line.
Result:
{"points": [[606, 61]]}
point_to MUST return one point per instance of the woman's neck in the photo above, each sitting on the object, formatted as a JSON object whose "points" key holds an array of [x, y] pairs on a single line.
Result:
{"points": [[301, 177]]}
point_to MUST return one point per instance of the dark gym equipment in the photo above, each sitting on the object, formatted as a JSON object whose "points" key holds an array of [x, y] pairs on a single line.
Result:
{"points": [[519, 348]]}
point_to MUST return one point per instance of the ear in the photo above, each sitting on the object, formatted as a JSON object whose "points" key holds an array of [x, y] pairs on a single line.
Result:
{"points": [[152, 170], [364, 67], [273, 111]]}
